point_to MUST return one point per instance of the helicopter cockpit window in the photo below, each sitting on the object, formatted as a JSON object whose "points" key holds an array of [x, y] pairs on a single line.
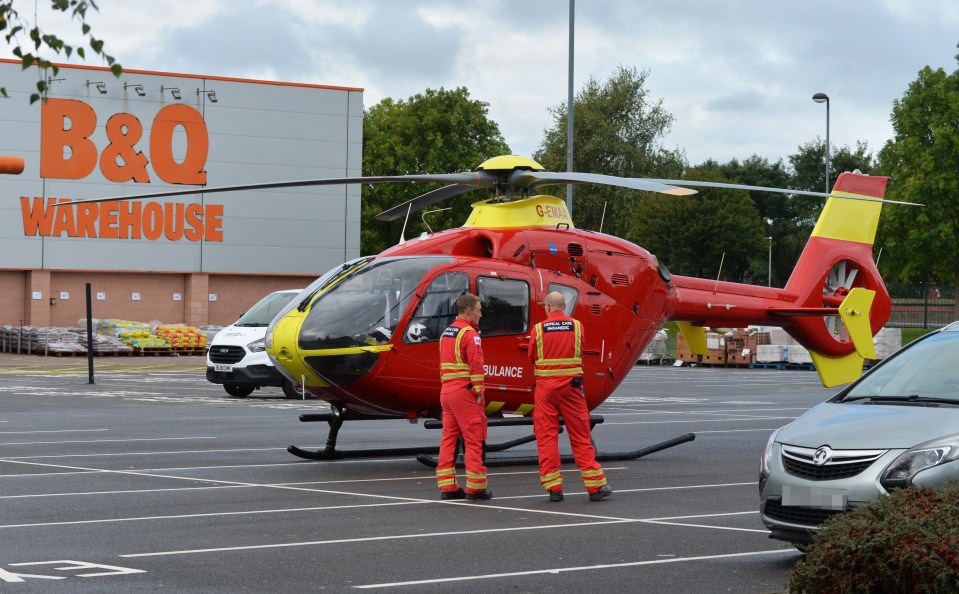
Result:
{"points": [[438, 307], [505, 305], [570, 294], [364, 308]]}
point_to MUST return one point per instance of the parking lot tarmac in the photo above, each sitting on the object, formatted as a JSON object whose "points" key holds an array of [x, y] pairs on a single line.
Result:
{"points": [[152, 479]]}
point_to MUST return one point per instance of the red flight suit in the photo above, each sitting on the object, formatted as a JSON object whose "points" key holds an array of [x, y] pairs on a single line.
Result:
{"points": [[461, 370], [555, 348]]}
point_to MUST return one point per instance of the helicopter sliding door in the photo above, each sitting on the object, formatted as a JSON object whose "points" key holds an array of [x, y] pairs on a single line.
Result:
{"points": [[505, 327]]}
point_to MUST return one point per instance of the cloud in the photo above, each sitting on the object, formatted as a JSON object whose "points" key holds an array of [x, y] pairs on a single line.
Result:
{"points": [[737, 76]]}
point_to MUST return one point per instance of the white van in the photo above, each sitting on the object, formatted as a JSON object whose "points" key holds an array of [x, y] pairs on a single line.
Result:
{"points": [[236, 357]]}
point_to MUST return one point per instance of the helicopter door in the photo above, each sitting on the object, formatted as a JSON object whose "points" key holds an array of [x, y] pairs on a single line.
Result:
{"points": [[504, 327], [437, 309]]}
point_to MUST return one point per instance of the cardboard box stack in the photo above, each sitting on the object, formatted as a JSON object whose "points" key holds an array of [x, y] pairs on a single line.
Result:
{"points": [[741, 346], [715, 342]]}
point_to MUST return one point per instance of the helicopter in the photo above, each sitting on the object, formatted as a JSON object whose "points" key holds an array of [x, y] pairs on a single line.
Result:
{"points": [[364, 336]]}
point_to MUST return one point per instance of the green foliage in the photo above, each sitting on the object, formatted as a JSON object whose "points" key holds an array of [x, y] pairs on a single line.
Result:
{"points": [[440, 131], [923, 161], [695, 235], [906, 542], [617, 131], [911, 334], [29, 41], [789, 220]]}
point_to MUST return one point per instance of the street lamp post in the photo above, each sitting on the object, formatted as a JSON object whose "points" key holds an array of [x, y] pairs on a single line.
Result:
{"points": [[824, 98], [769, 282]]}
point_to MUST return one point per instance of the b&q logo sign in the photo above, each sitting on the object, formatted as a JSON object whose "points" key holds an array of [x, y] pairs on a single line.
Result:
{"points": [[67, 152]]}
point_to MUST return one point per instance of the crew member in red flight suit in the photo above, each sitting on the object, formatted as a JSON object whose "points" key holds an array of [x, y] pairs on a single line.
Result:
{"points": [[555, 349], [461, 370]]}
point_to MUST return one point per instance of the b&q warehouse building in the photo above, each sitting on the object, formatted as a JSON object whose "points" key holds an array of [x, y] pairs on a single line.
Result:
{"points": [[197, 259]]}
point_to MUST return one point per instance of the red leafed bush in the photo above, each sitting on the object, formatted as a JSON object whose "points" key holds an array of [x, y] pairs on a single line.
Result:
{"points": [[905, 542]]}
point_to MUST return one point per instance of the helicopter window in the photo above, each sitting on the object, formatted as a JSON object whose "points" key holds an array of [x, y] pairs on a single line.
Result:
{"points": [[570, 294], [505, 306], [364, 308], [438, 307]]}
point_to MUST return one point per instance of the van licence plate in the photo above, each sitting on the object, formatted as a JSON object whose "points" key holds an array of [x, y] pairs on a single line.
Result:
{"points": [[222, 367]]}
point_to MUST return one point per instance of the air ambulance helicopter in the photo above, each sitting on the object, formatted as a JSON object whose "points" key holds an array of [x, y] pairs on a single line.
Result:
{"points": [[363, 337]]}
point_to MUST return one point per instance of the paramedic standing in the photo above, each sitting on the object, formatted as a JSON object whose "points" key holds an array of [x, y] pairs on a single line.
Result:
{"points": [[461, 371], [555, 348]]}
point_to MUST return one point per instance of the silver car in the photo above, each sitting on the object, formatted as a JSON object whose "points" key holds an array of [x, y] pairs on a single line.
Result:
{"points": [[898, 425]]}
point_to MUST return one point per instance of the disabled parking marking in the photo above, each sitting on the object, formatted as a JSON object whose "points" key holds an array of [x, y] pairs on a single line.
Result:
{"points": [[67, 565]]}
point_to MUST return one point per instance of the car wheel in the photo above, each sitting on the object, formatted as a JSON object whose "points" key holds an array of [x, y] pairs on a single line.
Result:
{"points": [[290, 390], [238, 390]]}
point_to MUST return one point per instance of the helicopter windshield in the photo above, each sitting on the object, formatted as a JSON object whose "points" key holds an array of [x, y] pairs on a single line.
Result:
{"points": [[364, 308]]}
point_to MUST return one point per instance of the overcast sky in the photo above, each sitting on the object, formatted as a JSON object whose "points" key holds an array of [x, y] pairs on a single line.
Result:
{"points": [[737, 76]]}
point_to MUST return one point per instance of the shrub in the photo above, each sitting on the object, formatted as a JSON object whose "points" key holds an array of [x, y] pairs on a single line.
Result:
{"points": [[906, 542]]}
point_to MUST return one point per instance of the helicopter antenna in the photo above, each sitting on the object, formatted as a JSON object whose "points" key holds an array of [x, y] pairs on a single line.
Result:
{"points": [[878, 256], [721, 260], [406, 220], [602, 218], [423, 216]]}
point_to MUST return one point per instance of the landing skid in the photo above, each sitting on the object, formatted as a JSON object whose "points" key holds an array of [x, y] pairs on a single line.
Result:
{"points": [[566, 459], [425, 454], [336, 418]]}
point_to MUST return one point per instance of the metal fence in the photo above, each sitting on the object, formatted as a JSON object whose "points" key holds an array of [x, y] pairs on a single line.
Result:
{"points": [[921, 305], [919, 313]]}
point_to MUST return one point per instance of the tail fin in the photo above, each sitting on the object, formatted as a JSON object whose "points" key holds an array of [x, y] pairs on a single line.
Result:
{"points": [[837, 260]]}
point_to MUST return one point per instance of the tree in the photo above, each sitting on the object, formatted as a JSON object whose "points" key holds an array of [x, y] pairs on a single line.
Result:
{"points": [[717, 232], [440, 131], [776, 212], [922, 159], [29, 41], [618, 131]]}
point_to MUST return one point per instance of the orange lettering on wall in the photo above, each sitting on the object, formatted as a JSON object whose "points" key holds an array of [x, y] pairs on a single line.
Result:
{"points": [[121, 220], [37, 219], [108, 220], [190, 171], [130, 216], [173, 221], [194, 214], [56, 136], [87, 219], [214, 222], [65, 221], [124, 131], [152, 220]]}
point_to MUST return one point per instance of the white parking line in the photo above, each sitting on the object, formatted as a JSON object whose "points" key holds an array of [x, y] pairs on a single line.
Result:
{"points": [[687, 421], [12, 443], [50, 431], [557, 570]]}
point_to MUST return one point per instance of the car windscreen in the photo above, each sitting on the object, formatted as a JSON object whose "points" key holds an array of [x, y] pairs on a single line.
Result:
{"points": [[923, 371], [266, 309]]}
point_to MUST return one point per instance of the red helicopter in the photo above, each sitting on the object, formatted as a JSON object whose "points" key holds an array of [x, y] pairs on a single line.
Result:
{"points": [[363, 336]]}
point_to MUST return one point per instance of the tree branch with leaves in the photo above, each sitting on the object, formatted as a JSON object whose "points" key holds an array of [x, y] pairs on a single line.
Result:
{"points": [[32, 45]]}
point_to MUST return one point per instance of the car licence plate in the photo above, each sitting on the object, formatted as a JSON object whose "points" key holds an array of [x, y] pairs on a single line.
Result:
{"points": [[222, 367], [818, 497]]}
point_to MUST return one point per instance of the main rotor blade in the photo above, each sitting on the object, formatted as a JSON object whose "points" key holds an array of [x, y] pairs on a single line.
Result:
{"points": [[473, 178], [523, 179], [706, 184], [424, 200]]}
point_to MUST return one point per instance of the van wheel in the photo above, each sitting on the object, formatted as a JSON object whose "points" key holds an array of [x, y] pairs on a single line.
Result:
{"points": [[238, 390], [289, 390]]}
